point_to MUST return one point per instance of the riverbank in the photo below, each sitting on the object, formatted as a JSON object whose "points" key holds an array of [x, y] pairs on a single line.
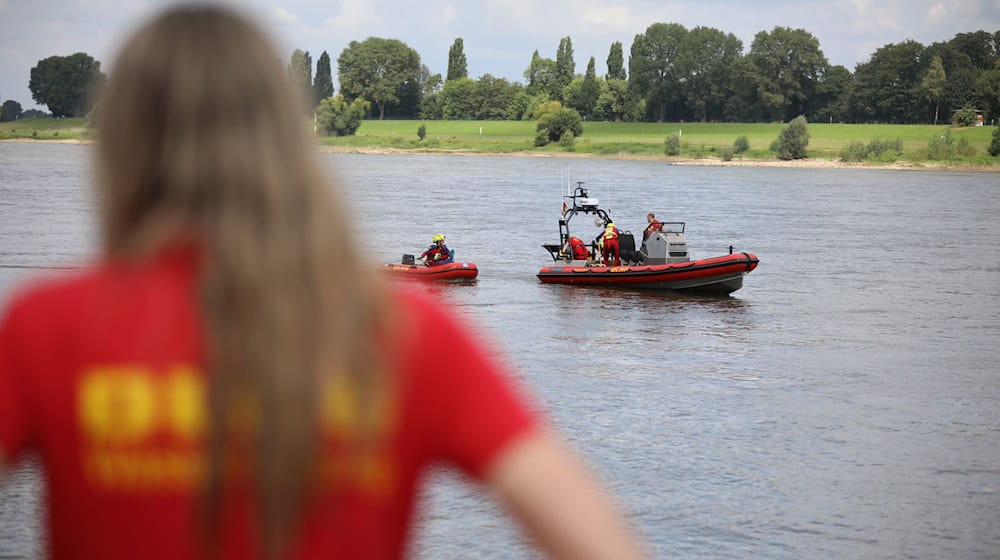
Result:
{"points": [[809, 163]]}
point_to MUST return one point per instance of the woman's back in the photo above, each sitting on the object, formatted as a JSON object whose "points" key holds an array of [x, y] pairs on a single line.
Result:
{"points": [[107, 380], [234, 377]]}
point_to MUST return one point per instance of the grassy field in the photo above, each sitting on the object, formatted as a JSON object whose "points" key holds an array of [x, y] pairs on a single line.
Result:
{"points": [[700, 140], [44, 129], [604, 139]]}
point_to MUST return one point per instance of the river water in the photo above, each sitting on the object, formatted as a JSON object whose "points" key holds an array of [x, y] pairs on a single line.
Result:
{"points": [[844, 404]]}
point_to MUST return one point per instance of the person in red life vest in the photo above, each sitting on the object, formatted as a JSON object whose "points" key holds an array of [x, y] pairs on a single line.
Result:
{"points": [[653, 227], [609, 248], [579, 249], [575, 249], [438, 253], [215, 385]]}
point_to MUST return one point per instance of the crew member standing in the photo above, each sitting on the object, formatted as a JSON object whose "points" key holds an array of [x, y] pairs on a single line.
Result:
{"points": [[610, 246]]}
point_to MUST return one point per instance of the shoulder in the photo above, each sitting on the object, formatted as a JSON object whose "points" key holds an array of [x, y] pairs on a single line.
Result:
{"points": [[422, 318], [50, 292]]}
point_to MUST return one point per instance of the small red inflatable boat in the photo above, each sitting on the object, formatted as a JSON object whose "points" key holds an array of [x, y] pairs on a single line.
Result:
{"points": [[454, 271]]}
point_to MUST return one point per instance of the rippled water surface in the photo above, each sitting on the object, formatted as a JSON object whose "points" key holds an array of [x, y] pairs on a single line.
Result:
{"points": [[844, 404]]}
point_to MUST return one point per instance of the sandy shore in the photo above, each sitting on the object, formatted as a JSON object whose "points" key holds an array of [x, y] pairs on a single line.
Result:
{"points": [[46, 140], [811, 163]]}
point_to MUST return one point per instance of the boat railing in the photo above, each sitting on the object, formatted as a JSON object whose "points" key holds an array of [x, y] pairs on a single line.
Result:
{"points": [[555, 250]]}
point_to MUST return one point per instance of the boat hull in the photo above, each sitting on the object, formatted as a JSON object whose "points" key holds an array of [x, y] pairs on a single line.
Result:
{"points": [[451, 272], [719, 275]]}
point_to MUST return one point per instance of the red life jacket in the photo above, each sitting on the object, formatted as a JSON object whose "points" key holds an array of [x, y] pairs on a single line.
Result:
{"points": [[580, 252], [436, 254]]}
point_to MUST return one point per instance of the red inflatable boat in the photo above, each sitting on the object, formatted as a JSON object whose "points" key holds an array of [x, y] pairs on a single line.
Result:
{"points": [[660, 263], [454, 271], [719, 275]]}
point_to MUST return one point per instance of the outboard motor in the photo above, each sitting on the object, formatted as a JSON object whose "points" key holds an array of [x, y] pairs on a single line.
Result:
{"points": [[665, 247]]}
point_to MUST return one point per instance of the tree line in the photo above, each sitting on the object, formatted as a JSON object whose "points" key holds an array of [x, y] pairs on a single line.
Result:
{"points": [[672, 73], [679, 74]]}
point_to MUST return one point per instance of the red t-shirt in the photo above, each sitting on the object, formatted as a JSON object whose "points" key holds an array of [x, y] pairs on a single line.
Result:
{"points": [[102, 375]]}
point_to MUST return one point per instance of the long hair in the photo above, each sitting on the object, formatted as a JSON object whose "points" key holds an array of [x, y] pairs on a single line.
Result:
{"points": [[201, 136]]}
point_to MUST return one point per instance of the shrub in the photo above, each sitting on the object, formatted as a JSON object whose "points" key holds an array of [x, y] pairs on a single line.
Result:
{"points": [[966, 116], [945, 147], [994, 148], [855, 151], [561, 121], [567, 140], [741, 145], [726, 153], [963, 148], [335, 116], [877, 150], [793, 139], [672, 145], [541, 137], [545, 110], [422, 131], [940, 147]]}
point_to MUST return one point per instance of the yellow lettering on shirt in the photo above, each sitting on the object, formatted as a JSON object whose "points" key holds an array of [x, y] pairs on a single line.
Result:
{"points": [[185, 403], [116, 404], [143, 430]]}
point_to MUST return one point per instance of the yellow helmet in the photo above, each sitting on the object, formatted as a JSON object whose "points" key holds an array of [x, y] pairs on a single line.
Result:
{"points": [[610, 225], [438, 237]]}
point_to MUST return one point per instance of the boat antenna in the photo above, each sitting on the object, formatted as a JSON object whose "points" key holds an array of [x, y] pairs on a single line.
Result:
{"points": [[609, 196]]}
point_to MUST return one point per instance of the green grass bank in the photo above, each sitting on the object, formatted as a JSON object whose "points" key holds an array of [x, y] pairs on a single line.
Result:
{"points": [[700, 141]]}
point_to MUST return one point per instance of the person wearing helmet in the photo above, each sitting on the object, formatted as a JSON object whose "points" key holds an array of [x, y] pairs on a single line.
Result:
{"points": [[610, 245], [438, 253]]}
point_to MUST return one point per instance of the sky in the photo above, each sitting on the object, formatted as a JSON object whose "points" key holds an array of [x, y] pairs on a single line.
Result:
{"points": [[499, 35]]}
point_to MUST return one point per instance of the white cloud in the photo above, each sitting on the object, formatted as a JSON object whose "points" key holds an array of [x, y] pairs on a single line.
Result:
{"points": [[447, 15], [354, 15], [936, 13], [516, 16], [602, 19], [874, 19], [281, 15]]}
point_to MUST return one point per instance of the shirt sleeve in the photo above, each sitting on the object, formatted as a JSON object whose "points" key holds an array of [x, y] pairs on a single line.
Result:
{"points": [[14, 419], [480, 407]]}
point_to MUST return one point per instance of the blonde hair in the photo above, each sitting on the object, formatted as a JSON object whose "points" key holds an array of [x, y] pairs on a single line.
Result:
{"points": [[201, 136]]}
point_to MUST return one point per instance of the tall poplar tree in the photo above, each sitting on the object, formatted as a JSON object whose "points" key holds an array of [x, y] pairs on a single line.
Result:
{"points": [[616, 63], [565, 67], [589, 90], [300, 74], [541, 78], [934, 83], [323, 82], [457, 65]]}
